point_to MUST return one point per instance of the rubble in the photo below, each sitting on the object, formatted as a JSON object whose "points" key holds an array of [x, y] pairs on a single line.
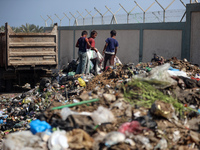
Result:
{"points": [[145, 106]]}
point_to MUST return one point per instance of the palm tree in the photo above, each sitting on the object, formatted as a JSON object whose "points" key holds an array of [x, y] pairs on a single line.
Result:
{"points": [[16, 29], [2, 29], [27, 28], [38, 29]]}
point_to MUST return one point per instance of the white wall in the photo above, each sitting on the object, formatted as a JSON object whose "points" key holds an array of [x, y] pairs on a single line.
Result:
{"points": [[162, 42], [166, 43], [66, 46]]}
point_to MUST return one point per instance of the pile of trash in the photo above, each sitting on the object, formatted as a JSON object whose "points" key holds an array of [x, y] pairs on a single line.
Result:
{"points": [[148, 106]]}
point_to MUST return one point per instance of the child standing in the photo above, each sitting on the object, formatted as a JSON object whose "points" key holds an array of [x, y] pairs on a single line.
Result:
{"points": [[110, 49], [91, 40], [82, 53]]}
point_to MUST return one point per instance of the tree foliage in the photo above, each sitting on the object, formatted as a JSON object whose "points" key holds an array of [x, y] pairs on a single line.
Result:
{"points": [[27, 28]]}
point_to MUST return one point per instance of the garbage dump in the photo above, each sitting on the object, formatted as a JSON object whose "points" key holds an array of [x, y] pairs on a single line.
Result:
{"points": [[154, 105]]}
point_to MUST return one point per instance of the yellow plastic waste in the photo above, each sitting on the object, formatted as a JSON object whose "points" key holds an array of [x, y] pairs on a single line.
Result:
{"points": [[27, 100], [81, 82]]}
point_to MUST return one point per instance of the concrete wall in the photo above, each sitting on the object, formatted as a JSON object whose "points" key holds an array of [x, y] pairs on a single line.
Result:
{"points": [[167, 43], [128, 50], [195, 38], [66, 47], [162, 42]]}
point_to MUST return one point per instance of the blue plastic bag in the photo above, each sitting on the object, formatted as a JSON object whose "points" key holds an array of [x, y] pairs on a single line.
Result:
{"points": [[173, 69], [39, 126]]}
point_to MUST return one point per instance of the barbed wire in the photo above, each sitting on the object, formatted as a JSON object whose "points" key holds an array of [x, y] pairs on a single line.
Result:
{"points": [[109, 17]]}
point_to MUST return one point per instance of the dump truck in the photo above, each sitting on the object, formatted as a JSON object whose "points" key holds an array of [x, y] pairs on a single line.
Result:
{"points": [[26, 57]]}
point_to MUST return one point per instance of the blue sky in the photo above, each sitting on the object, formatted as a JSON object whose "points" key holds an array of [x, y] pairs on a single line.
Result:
{"points": [[18, 12]]}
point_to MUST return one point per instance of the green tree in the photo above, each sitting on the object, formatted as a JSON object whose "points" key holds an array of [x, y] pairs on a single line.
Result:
{"points": [[16, 29], [38, 29], [2, 29], [27, 28]]}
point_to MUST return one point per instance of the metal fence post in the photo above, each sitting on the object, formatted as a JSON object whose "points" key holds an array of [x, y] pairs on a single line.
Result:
{"points": [[75, 21], [45, 20], [68, 18], [51, 20], [113, 17], [91, 15], [60, 19], [185, 11], [144, 11], [83, 17], [164, 9], [128, 13], [102, 15]]}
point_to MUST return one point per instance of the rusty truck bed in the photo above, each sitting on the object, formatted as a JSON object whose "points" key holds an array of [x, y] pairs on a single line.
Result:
{"points": [[28, 49]]}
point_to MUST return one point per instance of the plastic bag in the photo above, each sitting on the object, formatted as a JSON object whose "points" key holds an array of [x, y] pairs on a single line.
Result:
{"points": [[23, 140], [160, 73], [113, 138], [39, 126], [130, 127], [117, 61], [81, 82], [58, 140], [100, 57], [91, 54], [102, 115], [99, 63], [177, 73]]}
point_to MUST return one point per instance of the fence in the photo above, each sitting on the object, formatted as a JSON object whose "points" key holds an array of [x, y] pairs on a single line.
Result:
{"points": [[138, 42], [110, 17]]}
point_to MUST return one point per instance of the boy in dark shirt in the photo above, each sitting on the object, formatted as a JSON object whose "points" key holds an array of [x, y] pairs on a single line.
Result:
{"points": [[110, 49], [82, 45]]}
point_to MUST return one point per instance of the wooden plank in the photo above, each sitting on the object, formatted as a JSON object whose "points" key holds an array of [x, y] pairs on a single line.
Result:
{"points": [[31, 53], [47, 57], [15, 58], [27, 44], [17, 63], [33, 49], [32, 39]]}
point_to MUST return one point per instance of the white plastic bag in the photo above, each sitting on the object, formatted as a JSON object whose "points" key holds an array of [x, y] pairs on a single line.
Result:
{"points": [[58, 140], [117, 61], [102, 115], [99, 57], [177, 73], [99, 63], [160, 73], [91, 54]]}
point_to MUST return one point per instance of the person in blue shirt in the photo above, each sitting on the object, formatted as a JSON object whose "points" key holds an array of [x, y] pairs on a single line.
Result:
{"points": [[110, 49], [82, 53]]}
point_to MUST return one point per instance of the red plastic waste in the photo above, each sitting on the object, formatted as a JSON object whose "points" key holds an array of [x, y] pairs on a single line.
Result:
{"points": [[131, 127], [198, 79]]}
